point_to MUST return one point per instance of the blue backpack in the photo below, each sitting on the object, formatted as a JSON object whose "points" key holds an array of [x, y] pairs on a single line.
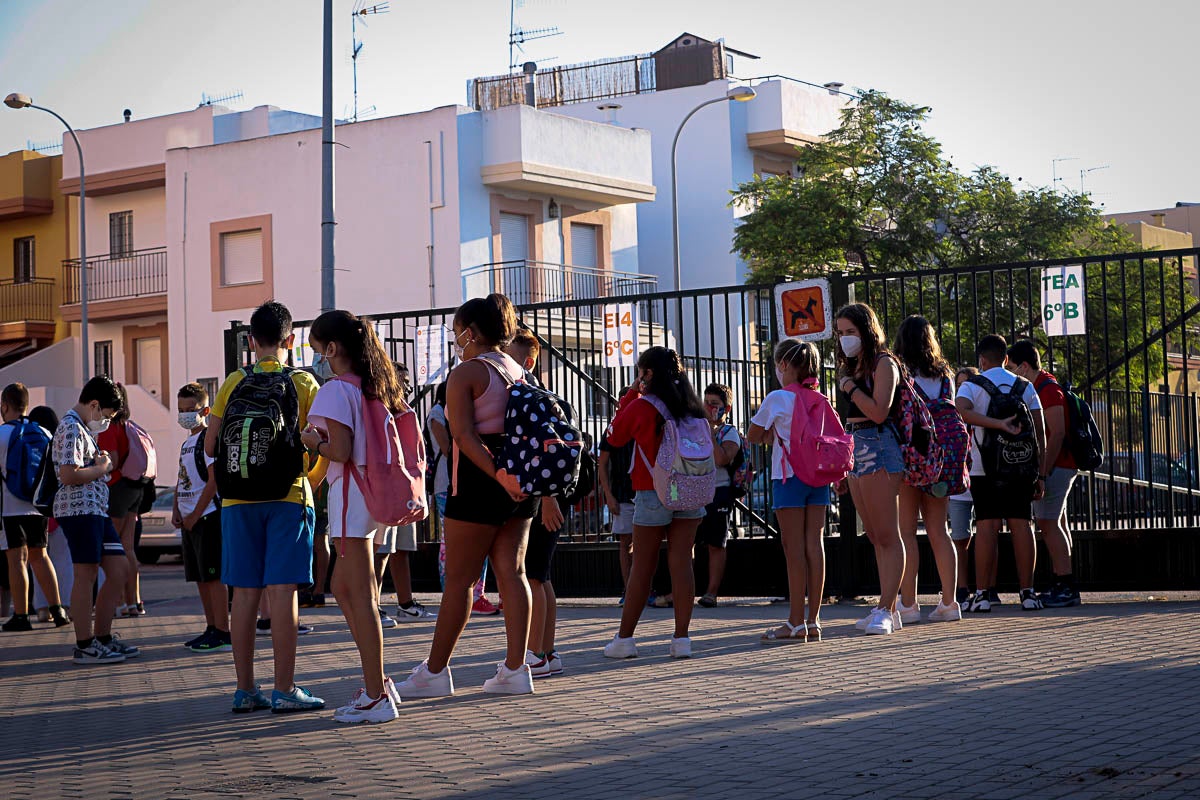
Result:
{"points": [[28, 457]]}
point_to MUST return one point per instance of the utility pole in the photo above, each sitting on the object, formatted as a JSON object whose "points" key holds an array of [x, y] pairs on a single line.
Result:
{"points": [[328, 221]]}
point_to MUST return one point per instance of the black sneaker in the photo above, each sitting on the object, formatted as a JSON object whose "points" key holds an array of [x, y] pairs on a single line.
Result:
{"points": [[305, 599], [58, 615], [994, 597], [214, 642], [962, 595], [190, 643], [1030, 601], [17, 624], [1062, 597], [262, 627], [978, 603]]}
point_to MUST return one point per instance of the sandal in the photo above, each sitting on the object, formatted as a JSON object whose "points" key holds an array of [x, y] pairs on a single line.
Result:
{"points": [[708, 601], [814, 631], [796, 633]]}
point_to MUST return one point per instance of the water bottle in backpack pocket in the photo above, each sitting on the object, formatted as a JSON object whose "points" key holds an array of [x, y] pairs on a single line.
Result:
{"points": [[1009, 459], [259, 452], [685, 471]]}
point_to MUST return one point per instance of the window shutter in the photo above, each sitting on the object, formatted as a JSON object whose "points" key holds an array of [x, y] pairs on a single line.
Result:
{"points": [[584, 245], [241, 257], [514, 237]]}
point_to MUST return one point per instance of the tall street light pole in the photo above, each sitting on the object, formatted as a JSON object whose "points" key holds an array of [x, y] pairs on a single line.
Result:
{"points": [[328, 221], [18, 100], [739, 94]]}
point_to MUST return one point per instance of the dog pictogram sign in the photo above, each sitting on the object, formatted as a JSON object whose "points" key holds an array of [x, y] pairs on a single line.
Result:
{"points": [[804, 310]]}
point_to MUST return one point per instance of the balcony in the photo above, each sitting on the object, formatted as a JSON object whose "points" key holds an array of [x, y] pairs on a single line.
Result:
{"points": [[26, 313], [789, 113], [119, 286], [528, 282]]}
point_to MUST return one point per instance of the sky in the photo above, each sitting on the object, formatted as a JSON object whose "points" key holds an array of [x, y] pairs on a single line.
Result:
{"points": [[1013, 84]]}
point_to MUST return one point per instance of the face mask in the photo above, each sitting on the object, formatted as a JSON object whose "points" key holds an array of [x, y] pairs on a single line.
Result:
{"points": [[851, 346], [460, 349], [98, 425], [779, 376], [321, 368], [190, 419]]}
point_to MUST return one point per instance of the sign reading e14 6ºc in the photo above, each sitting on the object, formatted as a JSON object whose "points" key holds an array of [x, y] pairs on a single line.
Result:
{"points": [[620, 335], [1064, 311]]}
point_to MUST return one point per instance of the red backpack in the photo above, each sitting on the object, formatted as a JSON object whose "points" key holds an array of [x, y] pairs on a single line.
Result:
{"points": [[819, 450]]}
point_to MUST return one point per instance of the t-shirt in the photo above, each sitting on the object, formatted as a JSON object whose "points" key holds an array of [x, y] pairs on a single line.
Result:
{"points": [[619, 461], [775, 413], [13, 506], [932, 387], [726, 433], [74, 446], [115, 440], [1053, 396], [341, 402], [441, 474], [980, 400], [306, 390], [190, 483], [637, 421]]}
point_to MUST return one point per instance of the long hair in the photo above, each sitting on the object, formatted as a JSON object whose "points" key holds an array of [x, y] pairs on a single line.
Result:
{"points": [[917, 346], [670, 384], [862, 316], [493, 317], [368, 360]]}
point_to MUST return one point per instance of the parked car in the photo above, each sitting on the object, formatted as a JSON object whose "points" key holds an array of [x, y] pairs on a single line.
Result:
{"points": [[759, 502], [159, 536], [1118, 491]]}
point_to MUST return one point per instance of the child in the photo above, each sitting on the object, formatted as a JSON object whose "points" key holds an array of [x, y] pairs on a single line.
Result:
{"points": [[352, 351], [714, 528], [800, 508], [197, 514]]}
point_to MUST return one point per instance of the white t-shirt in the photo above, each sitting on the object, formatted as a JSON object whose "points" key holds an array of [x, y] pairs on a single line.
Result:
{"points": [[980, 401], [932, 387], [775, 414], [726, 433], [190, 483], [13, 507], [341, 402], [441, 477]]}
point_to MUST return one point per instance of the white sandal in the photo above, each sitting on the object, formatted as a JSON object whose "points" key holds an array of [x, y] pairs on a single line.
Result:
{"points": [[796, 633]]}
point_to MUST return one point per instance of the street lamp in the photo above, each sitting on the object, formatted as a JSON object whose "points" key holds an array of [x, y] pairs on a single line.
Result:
{"points": [[738, 94], [18, 100]]}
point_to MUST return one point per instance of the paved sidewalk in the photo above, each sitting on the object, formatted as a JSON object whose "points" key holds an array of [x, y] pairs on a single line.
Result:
{"points": [[1100, 701]]}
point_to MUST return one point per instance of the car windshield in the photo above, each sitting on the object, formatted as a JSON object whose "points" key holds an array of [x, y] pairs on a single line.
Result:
{"points": [[165, 500]]}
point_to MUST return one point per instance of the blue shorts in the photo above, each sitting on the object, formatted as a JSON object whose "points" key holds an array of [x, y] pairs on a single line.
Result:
{"points": [[90, 537], [876, 449], [649, 512], [795, 493], [266, 544]]}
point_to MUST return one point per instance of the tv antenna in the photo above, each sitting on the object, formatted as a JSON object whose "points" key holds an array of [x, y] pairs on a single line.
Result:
{"points": [[518, 36], [361, 9], [49, 146], [220, 99], [1054, 162]]}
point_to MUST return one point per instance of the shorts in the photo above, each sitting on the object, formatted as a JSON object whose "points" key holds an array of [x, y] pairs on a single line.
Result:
{"points": [[1058, 489], [622, 521], [202, 550], [125, 498], [396, 538], [795, 493], [358, 522], [27, 530], [994, 501], [649, 512], [266, 544], [479, 498], [540, 552], [960, 519], [714, 528], [90, 538], [875, 449]]}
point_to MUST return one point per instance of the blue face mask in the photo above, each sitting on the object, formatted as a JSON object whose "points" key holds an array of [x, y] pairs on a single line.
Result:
{"points": [[321, 368]]}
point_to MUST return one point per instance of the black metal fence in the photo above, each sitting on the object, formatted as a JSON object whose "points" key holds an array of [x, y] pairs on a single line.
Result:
{"points": [[526, 282], [138, 273]]}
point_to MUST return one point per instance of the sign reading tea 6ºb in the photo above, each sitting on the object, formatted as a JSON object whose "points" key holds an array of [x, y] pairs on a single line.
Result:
{"points": [[1064, 311], [620, 335]]}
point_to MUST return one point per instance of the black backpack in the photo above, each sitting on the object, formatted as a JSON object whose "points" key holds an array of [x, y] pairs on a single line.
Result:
{"points": [[259, 452], [45, 487], [1083, 440], [1008, 459], [202, 468]]}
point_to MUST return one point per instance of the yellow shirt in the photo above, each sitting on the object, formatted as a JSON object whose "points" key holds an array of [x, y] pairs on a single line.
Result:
{"points": [[306, 390]]}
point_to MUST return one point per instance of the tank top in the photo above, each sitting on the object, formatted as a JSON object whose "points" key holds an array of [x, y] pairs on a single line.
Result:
{"points": [[490, 406]]}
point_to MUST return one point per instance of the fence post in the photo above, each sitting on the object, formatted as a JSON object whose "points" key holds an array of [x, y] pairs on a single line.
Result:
{"points": [[847, 547], [232, 360]]}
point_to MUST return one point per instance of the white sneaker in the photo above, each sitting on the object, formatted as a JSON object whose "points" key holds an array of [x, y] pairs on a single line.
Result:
{"points": [[538, 667], [385, 621], [364, 709], [510, 681], [681, 648], [555, 662], [897, 622], [414, 613], [423, 683], [881, 623], [909, 615], [865, 621], [621, 648], [390, 687], [946, 613]]}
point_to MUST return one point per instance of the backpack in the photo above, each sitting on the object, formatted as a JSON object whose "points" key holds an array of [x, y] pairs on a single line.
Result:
{"points": [[741, 469], [28, 450], [919, 445], [954, 439], [685, 471], [1009, 459], [202, 468], [141, 464], [45, 487], [1083, 439], [259, 452], [818, 449]]}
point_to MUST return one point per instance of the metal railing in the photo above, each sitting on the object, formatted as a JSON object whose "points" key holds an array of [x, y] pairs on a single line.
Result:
{"points": [[527, 282], [572, 83], [138, 273], [27, 301]]}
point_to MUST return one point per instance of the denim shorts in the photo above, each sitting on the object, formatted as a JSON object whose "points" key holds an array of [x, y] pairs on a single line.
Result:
{"points": [[649, 512], [266, 544], [1058, 489], [960, 519], [875, 449], [90, 538], [795, 493]]}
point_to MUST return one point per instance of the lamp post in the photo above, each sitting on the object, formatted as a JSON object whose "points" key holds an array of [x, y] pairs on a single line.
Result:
{"points": [[739, 94], [18, 100]]}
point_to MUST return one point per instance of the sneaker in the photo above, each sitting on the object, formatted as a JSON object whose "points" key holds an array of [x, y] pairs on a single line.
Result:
{"points": [[650, 600], [555, 662], [96, 653], [946, 613], [318, 601], [681, 647], [865, 621], [217, 642], [17, 623], [390, 687], [303, 629], [58, 615], [897, 621], [484, 608], [364, 709], [298, 699], [304, 599], [423, 683], [881, 623], [663, 602], [510, 681], [994, 598], [1062, 597], [1030, 601], [125, 649], [190, 643], [385, 622], [621, 648], [621, 602], [262, 627], [244, 702], [538, 667], [708, 601], [979, 603], [414, 613], [909, 615], [43, 615], [961, 595], [136, 610]]}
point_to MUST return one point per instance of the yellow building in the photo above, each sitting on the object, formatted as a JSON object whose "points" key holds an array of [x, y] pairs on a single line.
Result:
{"points": [[37, 223]]}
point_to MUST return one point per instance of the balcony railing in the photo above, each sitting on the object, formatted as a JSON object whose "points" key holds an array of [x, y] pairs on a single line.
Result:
{"points": [[138, 273], [527, 282], [27, 301]]}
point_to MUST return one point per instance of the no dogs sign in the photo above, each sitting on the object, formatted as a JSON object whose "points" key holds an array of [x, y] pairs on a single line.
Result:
{"points": [[804, 310]]}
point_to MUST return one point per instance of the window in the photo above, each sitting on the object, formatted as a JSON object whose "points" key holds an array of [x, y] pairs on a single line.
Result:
{"points": [[210, 386], [241, 257], [120, 233], [23, 268], [102, 358], [585, 245]]}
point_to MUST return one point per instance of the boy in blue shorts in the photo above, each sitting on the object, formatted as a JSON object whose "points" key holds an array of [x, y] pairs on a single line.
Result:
{"points": [[267, 516]]}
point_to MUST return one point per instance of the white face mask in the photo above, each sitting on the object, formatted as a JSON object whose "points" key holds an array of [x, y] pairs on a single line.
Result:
{"points": [[190, 419], [851, 345], [321, 368], [460, 349], [779, 376], [98, 425]]}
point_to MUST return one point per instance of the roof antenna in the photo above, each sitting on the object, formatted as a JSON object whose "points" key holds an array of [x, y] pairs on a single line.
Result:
{"points": [[517, 35], [219, 99], [361, 9]]}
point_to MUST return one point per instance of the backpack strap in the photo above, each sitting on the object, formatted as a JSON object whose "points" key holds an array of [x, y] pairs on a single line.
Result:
{"points": [[987, 385]]}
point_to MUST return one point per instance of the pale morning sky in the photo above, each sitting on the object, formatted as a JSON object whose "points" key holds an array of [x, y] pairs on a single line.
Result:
{"points": [[1013, 84]]}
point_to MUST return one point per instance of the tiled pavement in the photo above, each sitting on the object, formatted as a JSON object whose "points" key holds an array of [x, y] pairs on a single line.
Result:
{"points": [[1101, 701]]}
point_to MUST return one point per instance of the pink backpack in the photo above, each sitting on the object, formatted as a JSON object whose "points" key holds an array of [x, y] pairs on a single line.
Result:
{"points": [[142, 462], [685, 472], [819, 450]]}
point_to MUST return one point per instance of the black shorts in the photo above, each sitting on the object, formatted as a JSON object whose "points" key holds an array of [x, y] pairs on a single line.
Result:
{"points": [[202, 550], [714, 528], [479, 498], [27, 530], [125, 497], [994, 501], [540, 552]]}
